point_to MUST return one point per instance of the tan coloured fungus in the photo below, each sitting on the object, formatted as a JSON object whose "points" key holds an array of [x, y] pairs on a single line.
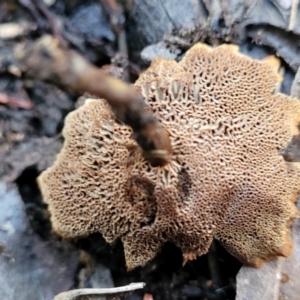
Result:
{"points": [[226, 179]]}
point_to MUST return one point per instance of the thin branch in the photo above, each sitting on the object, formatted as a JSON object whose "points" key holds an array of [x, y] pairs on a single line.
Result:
{"points": [[15, 102], [101, 293], [295, 89], [49, 60], [14, 30], [116, 17], [281, 72]]}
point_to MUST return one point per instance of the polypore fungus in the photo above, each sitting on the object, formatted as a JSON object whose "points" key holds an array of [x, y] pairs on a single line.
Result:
{"points": [[226, 179]]}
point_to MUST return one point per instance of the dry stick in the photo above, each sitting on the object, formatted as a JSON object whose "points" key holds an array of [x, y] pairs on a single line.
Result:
{"points": [[15, 102], [295, 89], [281, 72], [48, 60], [102, 294], [116, 16], [14, 30], [122, 42]]}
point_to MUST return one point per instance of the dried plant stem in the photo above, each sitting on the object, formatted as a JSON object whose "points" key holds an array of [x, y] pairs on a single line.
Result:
{"points": [[49, 60], [14, 30], [15, 102], [281, 72], [116, 17], [102, 294], [295, 89]]}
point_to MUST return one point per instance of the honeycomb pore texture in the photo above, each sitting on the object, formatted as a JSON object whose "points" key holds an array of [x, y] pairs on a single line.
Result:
{"points": [[226, 179]]}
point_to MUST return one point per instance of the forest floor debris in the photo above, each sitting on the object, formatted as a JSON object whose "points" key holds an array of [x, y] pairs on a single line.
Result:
{"points": [[32, 115]]}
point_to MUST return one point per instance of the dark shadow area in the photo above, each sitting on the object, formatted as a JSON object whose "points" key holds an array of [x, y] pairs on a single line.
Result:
{"points": [[36, 210]]}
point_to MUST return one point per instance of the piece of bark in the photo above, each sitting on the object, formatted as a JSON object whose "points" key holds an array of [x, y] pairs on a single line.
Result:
{"points": [[48, 60]]}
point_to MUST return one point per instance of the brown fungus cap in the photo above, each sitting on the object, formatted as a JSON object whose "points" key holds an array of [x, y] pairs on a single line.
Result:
{"points": [[226, 180]]}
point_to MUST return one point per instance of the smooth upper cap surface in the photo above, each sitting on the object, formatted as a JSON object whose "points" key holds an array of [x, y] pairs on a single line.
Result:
{"points": [[226, 178]]}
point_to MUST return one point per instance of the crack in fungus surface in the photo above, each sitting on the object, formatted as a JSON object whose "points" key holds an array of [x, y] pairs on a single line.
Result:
{"points": [[226, 179]]}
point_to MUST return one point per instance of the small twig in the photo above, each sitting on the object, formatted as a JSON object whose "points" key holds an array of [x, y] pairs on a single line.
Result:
{"points": [[13, 30], [101, 293], [48, 60], [281, 72], [50, 17], [15, 102], [116, 17], [115, 14], [62, 29], [40, 12], [31, 8], [122, 42], [134, 69], [293, 14], [295, 89]]}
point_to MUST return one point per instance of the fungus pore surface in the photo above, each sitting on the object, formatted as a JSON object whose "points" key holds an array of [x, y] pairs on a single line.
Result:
{"points": [[226, 179]]}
